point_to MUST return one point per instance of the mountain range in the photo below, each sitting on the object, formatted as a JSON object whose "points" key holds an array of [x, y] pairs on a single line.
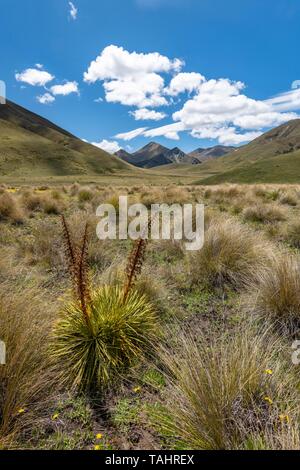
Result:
{"points": [[153, 155], [31, 146]]}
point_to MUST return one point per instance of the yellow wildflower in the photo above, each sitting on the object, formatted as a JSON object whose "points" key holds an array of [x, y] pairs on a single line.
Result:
{"points": [[55, 416], [284, 418], [137, 389], [97, 447], [99, 436], [268, 371], [21, 410], [269, 400]]}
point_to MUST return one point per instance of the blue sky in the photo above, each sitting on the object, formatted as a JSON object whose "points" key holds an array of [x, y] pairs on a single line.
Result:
{"points": [[188, 73]]}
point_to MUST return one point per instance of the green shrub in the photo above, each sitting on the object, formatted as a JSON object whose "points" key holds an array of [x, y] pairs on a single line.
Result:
{"points": [[116, 333]]}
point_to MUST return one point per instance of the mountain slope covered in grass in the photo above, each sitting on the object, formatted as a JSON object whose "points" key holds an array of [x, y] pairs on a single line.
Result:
{"points": [[273, 157], [32, 145]]}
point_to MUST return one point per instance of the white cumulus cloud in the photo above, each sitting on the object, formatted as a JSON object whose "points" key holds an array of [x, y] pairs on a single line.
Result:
{"points": [[108, 146], [144, 114], [131, 78], [185, 82], [47, 98], [34, 77], [65, 89]]}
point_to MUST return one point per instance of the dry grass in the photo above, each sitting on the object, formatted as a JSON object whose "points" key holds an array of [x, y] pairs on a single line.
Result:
{"points": [[292, 234], [277, 294], [216, 389], [25, 381], [10, 209], [264, 213], [222, 397], [232, 254]]}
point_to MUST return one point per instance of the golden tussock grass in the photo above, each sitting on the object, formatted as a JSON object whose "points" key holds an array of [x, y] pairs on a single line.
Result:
{"points": [[236, 392], [232, 254], [276, 294]]}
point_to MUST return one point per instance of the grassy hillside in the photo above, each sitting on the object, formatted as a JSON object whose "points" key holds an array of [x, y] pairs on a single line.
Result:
{"points": [[31, 145], [280, 169], [272, 158]]}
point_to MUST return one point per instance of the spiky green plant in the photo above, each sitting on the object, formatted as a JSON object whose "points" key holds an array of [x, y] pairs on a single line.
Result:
{"points": [[119, 331]]}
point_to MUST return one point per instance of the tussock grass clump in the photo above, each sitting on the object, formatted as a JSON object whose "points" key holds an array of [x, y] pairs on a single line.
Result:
{"points": [[117, 332], [264, 213], [25, 379], [289, 198], [236, 393], [74, 189], [175, 195], [232, 255], [31, 201], [10, 209], [85, 195], [292, 234], [48, 203], [278, 293], [52, 206]]}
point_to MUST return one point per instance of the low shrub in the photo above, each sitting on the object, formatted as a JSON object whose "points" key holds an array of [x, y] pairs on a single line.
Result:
{"points": [[116, 332]]}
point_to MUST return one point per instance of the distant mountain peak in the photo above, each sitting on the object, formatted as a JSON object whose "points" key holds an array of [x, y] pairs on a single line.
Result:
{"points": [[154, 154]]}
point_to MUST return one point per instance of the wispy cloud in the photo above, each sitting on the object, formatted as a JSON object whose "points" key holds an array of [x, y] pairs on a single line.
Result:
{"points": [[73, 11]]}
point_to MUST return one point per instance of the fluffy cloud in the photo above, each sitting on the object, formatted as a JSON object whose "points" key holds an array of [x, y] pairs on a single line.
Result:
{"points": [[142, 91], [65, 89], [46, 98], [117, 63], [132, 78], [34, 77], [221, 111], [108, 146], [73, 11], [144, 114], [131, 134], [183, 82]]}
